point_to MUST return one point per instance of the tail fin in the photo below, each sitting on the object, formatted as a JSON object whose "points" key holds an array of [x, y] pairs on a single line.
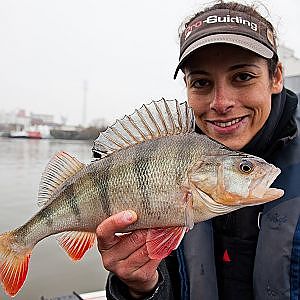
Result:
{"points": [[14, 261]]}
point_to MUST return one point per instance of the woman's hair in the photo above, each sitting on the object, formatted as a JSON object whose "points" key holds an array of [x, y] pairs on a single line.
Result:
{"points": [[238, 7]]}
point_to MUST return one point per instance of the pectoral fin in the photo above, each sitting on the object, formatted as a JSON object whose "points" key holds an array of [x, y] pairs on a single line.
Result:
{"points": [[162, 241], [188, 211]]}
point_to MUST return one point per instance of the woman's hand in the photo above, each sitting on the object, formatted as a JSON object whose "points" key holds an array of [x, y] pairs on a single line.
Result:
{"points": [[126, 255]]}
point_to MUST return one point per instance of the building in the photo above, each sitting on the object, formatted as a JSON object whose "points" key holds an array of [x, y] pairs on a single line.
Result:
{"points": [[41, 119]]}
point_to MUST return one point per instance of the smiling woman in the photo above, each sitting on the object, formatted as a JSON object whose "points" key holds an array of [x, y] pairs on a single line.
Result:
{"points": [[234, 84], [230, 91]]}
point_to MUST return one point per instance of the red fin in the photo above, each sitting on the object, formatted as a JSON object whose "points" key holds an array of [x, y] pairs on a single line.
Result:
{"points": [[76, 243], [13, 265], [162, 241]]}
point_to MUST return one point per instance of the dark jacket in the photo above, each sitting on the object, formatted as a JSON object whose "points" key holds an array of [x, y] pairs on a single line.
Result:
{"points": [[270, 258]]}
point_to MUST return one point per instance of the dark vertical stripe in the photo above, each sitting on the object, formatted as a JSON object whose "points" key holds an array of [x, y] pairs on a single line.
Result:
{"points": [[46, 215], [72, 201], [141, 165], [184, 152], [100, 177]]}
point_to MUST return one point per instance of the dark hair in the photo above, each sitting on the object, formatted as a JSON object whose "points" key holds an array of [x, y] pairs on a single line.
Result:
{"points": [[248, 9]]}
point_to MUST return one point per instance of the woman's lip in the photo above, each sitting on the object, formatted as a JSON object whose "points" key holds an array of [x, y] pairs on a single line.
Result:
{"points": [[226, 123], [227, 126]]}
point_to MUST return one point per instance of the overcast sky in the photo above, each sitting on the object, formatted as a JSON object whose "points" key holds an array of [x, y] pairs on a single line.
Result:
{"points": [[126, 51]]}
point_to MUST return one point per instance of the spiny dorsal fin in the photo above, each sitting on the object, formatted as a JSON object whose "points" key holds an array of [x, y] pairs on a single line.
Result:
{"points": [[60, 167], [156, 119]]}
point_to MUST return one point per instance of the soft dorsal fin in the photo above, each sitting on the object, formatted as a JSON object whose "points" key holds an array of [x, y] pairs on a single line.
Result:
{"points": [[59, 168], [156, 119]]}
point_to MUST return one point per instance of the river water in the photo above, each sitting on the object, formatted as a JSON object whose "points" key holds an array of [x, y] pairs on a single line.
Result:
{"points": [[51, 273]]}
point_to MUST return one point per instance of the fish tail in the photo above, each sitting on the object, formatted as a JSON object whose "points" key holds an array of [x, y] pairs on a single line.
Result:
{"points": [[14, 259]]}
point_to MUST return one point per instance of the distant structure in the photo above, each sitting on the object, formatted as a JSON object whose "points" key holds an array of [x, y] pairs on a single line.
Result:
{"points": [[41, 119], [19, 118], [291, 68], [18, 124]]}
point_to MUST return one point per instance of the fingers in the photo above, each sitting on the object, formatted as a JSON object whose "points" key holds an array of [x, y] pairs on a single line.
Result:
{"points": [[131, 242], [130, 263], [139, 261], [116, 223], [127, 255], [138, 271], [144, 279]]}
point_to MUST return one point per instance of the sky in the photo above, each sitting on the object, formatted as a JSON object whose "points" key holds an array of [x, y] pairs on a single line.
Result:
{"points": [[123, 52]]}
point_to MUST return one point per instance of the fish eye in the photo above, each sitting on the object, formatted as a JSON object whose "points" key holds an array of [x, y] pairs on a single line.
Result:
{"points": [[246, 166]]}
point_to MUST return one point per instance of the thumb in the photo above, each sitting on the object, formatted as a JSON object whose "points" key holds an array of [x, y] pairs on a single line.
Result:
{"points": [[109, 227]]}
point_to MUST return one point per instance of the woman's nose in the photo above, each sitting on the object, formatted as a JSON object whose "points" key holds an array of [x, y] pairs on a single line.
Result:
{"points": [[222, 102]]}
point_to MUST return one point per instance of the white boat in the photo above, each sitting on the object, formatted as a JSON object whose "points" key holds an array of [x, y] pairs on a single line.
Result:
{"points": [[33, 132], [99, 295], [18, 134]]}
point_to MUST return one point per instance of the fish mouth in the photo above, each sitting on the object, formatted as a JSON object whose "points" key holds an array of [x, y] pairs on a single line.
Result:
{"points": [[260, 190]]}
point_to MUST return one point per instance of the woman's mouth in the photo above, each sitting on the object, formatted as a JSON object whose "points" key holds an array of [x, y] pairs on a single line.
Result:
{"points": [[227, 126], [228, 123]]}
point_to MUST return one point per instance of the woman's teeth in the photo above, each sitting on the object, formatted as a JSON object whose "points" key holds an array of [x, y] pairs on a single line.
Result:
{"points": [[227, 124]]}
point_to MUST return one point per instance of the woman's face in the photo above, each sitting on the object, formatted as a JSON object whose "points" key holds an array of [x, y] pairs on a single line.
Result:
{"points": [[230, 90]]}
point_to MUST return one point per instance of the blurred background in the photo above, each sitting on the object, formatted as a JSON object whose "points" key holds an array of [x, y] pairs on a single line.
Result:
{"points": [[68, 69]]}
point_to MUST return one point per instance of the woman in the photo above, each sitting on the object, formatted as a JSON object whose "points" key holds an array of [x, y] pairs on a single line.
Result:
{"points": [[235, 86]]}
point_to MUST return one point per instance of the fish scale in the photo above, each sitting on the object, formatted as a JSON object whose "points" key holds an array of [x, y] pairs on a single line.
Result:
{"points": [[124, 185], [152, 162]]}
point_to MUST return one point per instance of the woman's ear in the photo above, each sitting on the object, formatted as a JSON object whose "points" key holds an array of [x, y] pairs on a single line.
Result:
{"points": [[277, 81], [184, 79]]}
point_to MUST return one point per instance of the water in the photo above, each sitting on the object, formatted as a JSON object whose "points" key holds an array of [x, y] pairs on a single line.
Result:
{"points": [[51, 272]]}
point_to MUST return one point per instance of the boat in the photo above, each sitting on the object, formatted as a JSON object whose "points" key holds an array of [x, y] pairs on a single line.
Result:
{"points": [[75, 133], [18, 134], [32, 132], [99, 295]]}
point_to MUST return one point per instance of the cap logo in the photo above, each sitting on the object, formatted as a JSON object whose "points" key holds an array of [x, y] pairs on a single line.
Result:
{"points": [[190, 28], [212, 19]]}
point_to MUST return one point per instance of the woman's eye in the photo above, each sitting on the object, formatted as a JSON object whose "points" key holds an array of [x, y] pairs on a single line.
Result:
{"points": [[200, 83], [243, 77]]}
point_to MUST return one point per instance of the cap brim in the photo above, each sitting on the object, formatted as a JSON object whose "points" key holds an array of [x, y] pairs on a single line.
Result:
{"points": [[229, 38]]}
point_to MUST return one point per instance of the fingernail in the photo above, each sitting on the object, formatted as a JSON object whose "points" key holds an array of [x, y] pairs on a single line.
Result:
{"points": [[127, 216]]}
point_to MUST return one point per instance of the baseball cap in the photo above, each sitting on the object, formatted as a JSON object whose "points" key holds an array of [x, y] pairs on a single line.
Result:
{"points": [[226, 26]]}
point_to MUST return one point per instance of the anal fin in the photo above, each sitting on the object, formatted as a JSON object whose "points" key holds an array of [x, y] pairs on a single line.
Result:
{"points": [[162, 241], [76, 243]]}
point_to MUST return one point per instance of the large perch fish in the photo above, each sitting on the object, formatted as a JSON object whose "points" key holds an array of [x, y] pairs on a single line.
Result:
{"points": [[151, 162]]}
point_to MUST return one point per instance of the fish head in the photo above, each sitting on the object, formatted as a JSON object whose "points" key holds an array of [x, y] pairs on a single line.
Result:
{"points": [[235, 180]]}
